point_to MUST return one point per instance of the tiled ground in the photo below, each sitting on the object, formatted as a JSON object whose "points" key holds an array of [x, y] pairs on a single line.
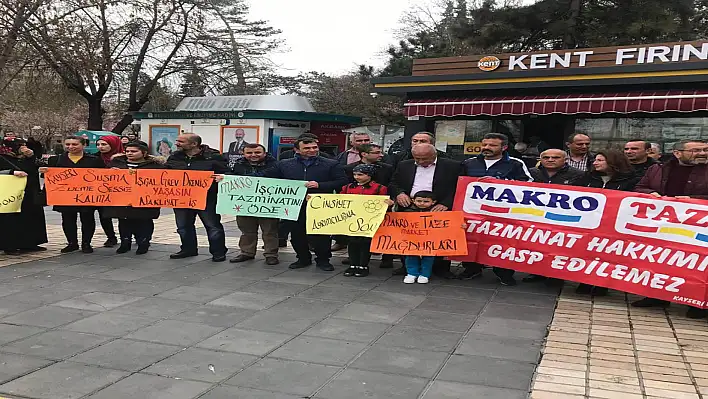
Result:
{"points": [[108, 326], [608, 349]]}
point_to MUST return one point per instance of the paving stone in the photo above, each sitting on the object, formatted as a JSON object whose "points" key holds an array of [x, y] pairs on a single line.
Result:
{"points": [[284, 376], [109, 323], [62, 380], [153, 387], [275, 288], [509, 328], [142, 289], [9, 333], [517, 312], [215, 316], [174, 332], [487, 371], [395, 284], [560, 388], [39, 297], [437, 321], [98, 301], [446, 305], [319, 350], [283, 320], [193, 294], [332, 293], [124, 354], [455, 390], [230, 392], [194, 364], [13, 366], [55, 344], [248, 300], [156, 307], [307, 277], [220, 282], [351, 330], [404, 361], [502, 348], [524, 299], [371, 313], [47, 316], [419, 338], [390, 299], [357, 384], [245, 341]]}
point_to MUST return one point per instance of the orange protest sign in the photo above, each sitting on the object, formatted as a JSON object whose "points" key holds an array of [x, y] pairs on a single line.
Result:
{"points": [[159, 188], [421, 234], [88, 187]]}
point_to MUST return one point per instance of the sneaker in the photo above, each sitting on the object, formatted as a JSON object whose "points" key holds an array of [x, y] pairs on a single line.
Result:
{"points": [[87, 249], [696, 313], [183, 254], [469, 274], [124, 247], [110, 242], [650, 303], [409, 279], [507, 281], [423, 280], [349, 272], [142, 249], [325, 267], [300, 264], [362, 271], [272, 261], [241, 258], [70, 248], [218, 258]]}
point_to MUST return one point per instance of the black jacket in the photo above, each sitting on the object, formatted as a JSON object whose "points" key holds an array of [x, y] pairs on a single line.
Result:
{"points": [[620, 182], [290, 154], [507, 168], [207, 159], [128, 212], [641, 169], [63, 161], [327, 172], [445, 178], [566, 176], [383, 175], [243, 167], [406, 155]]}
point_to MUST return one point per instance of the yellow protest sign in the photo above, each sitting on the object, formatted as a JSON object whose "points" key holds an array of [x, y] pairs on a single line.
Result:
{"points": [[12, 192], [345, 214]]}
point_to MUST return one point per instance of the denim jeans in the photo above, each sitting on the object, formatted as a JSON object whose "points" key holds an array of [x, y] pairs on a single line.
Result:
{"points": [[211, 220], [419, 265]]}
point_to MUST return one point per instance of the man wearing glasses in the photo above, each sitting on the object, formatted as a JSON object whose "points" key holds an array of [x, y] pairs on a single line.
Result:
{"points": [[553, 170], [684, 176], [578, 155]]}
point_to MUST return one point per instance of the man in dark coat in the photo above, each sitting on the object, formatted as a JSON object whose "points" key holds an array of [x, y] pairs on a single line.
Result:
{"points": [[637, 151], [371, 154], [193, 155]]}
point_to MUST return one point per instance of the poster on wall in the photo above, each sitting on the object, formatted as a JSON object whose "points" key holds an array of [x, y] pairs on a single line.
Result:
{"points": [[162, 139], [451, 132], [235, 138]]}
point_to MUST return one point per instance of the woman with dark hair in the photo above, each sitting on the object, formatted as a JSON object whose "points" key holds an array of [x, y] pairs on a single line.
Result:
{"points": [[75, 157], [108, 146], [610, 170], [136, 222], [26, 230]]}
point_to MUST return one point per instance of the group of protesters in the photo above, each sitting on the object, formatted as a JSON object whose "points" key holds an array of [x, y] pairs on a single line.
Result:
{"points": [[421, 178]]}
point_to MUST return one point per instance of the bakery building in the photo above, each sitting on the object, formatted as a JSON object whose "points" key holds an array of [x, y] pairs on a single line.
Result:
{"points": [[656, 92]]}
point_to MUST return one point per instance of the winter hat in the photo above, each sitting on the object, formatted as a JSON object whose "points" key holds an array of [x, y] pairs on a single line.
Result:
{"points": [[366, 169]]}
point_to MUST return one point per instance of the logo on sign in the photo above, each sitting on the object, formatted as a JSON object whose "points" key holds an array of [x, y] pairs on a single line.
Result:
{"points": [[542, 205], [489, 63], [664, 220]]}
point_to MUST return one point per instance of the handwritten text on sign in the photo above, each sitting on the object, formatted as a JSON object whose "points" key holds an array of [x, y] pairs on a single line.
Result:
{"points": [[345, 214], [626, 241], [421, 233], [145, 188], [12, 192], [157, 188], [88, 187], [261, 197]]}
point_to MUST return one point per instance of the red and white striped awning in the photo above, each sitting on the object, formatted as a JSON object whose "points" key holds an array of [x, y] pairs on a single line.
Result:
{"points": [[565, 104]]}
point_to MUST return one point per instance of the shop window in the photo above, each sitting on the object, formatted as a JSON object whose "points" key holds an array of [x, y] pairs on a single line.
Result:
{"points": [[615, 132]]}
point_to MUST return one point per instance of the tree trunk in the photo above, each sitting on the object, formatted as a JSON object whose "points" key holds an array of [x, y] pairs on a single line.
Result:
{"points": [[123, 123], [95, 111], [570, 40]]}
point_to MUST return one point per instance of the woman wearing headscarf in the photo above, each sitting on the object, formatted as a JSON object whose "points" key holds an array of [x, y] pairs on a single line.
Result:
{"points": [[108, 147], [26, 230]]}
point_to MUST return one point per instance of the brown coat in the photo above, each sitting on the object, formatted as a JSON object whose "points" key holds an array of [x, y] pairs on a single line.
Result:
{"points": [[654, 181]]}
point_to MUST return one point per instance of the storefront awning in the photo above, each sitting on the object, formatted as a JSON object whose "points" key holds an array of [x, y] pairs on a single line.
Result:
{"points": [[564, 104]]}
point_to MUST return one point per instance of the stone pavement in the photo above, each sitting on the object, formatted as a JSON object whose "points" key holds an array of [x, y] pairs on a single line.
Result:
{"points": [[121, 326]]}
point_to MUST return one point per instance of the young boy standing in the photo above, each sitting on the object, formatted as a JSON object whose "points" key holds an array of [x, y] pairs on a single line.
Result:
{"points": [[420, 267], [359, 247]]}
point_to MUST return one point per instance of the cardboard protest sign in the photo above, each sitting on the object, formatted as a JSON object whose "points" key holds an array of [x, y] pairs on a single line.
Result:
{"points": [[655, 247], [160, 188], [345, 214], [421, 233], [261, 197], [88, 187], [12, 192]]}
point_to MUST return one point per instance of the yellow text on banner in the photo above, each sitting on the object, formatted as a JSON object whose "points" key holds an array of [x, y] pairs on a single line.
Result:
{"points": [[345, 214], [12, 192]]}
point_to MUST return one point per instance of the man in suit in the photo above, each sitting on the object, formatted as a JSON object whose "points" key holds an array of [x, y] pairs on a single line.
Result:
{"points": [[426, 172], [236, 147]]}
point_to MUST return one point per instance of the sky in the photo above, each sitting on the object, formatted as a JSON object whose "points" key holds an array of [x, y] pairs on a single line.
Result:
{"points": [[332, 36]]}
